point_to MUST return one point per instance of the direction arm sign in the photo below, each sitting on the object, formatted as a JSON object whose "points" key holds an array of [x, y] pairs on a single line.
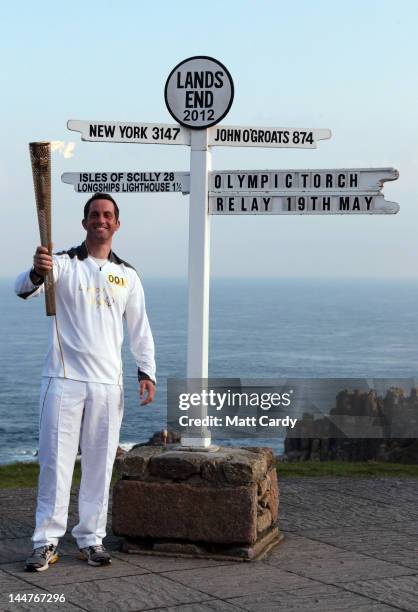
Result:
{"points": [[300, 204], [287, 181], [246, 136], [128, 182], [285, 192], [139, 133]]}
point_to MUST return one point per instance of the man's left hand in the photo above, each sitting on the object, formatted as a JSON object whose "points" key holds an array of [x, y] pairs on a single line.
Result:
{"points": [[146, 388]]}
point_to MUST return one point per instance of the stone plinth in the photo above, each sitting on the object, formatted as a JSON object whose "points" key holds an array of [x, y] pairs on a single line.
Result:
{"points": [[182, 502]]}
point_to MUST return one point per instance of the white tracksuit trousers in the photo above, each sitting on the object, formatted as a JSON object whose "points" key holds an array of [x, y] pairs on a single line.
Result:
{"points": [[73, 413]]}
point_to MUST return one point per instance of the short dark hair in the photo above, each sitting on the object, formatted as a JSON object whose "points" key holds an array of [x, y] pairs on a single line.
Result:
{"points": [[100, 196]]}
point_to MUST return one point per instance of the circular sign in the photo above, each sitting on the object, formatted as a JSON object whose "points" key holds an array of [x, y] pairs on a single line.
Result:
{"points": [[199, 92]]}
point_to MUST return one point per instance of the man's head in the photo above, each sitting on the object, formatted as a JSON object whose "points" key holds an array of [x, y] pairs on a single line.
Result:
{"points": [[101, 218], [100, 196]]}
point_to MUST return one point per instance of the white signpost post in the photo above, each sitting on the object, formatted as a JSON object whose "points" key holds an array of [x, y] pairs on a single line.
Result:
{"points": [[199, 93]]}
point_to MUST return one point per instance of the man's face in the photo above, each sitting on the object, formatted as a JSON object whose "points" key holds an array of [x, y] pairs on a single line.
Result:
{"points": [[101, 222]]}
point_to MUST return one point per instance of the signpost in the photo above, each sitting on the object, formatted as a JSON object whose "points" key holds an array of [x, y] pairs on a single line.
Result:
{"points": [[199, 93]]}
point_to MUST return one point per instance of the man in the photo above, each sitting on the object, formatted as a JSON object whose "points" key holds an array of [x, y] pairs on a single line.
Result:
{"points": [[81, 394]]}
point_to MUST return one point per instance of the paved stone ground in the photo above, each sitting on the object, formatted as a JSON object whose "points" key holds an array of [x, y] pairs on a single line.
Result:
{"points": [[350, 544]]}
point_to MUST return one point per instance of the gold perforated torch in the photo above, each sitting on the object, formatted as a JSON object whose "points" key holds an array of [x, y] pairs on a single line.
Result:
{"points": [[40, 157]]}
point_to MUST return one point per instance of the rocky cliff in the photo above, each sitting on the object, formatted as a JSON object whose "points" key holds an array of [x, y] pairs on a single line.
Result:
{"points": [[389, 420]]}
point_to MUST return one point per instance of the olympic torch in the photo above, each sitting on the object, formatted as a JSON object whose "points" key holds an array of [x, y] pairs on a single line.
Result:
{"points": [[40, 157]]}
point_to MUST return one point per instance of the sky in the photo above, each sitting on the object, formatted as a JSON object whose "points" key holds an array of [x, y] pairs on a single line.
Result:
{"points": [[349, 67]]}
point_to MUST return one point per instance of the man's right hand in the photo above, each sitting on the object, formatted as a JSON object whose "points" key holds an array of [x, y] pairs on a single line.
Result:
{"points": [[42, 261]]}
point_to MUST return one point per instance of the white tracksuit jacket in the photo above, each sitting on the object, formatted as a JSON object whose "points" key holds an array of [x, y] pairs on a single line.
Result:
{"points": [[85, 337]]}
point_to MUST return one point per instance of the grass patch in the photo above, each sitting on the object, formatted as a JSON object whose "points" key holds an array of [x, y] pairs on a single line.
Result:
{"points": [[346, 468], [25, 475], [22, 475]]}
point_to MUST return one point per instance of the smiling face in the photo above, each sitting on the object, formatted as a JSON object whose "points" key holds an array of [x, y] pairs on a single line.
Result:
{"points": [[101, 222]]}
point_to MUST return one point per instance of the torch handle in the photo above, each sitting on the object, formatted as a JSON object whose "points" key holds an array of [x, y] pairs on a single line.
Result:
{"points": [[44, 234], [49, 291]]}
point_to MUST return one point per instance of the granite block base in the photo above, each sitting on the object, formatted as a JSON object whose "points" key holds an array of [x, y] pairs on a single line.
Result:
{"points": [[216, 504]]}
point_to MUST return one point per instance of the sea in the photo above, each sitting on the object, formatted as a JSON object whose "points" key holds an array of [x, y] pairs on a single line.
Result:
{"points": [[259, 328]]}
